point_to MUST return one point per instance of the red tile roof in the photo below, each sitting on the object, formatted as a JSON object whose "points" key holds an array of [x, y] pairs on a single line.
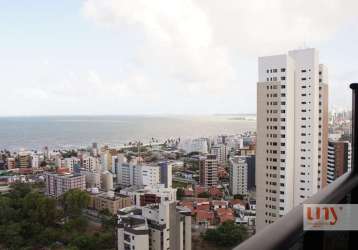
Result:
{"points": [[202, 215]]}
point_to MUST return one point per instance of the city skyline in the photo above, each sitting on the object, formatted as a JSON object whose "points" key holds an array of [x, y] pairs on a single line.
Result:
{"points": [[116, 57]]}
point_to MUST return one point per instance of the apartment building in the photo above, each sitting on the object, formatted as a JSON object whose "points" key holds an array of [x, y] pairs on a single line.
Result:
{"points": [[238, 176], [142, 196], [195, 145], [290, 128], [208, 170], [110, 201], [155, 227], [339, 159], [166, 176], [323, 126], [220, 151], [11, 163], [71, 163], [90, 163], [130, 174], [24, 158], [58, 184]]}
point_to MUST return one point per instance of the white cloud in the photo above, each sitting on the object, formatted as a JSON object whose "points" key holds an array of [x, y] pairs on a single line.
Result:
{"points": [[179, 41], [175, 55], [195, 43]]}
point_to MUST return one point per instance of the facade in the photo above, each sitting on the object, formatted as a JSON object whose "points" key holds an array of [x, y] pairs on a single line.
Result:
{"points": [[339, 159], [220, 150], [194, 145], [238, 175], [323, 126], [58, 184], [24, 159], [289, 155], [142, 196], [251, 172], [11, 163], [149, 175], [129, 174], [71, 163], [166, 174], [90, 163], [35, 161], [109, 200], [155, 227], [208, 171]]}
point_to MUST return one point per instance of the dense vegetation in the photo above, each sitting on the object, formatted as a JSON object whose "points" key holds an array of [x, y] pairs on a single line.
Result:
{"points": [[30, 220], [227, 234]]}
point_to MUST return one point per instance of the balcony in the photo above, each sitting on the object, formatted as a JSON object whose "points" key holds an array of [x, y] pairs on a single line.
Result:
{"points": [[287, 232]]}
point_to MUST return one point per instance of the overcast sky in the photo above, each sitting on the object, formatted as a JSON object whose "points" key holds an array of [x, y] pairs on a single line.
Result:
{"points": [[162, 56]]}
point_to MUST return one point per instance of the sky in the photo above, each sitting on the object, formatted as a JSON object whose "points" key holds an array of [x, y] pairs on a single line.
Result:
{"points": [[131, 57]]}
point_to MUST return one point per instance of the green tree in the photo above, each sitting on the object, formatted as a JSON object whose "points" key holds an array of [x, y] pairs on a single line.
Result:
{"points": [[84, 242], [6, 211], [40, 209], [78, 223], [180, 193], [19, 190], [204, 195], [73, 202], [238, 196], [227, 234]]}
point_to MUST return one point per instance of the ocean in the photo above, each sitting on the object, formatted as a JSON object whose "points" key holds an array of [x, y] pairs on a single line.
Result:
{"points": [[58, 132]]}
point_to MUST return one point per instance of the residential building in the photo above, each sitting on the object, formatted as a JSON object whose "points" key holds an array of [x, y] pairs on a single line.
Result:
{"points": [[208, 170], [35, 161], [71, 163], [339, 159], [11, 163], [251, 172], [166, 174], [220, 151], [24, 159], [129, 174], [323, 126], [58, 184], [142, 196], [194, 145], [150, 174], [110, 201], [238, 175], [90, 163], [289, 155], [155, 227]]}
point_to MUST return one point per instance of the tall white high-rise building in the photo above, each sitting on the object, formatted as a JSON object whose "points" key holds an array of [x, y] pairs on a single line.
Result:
{"points": [[289, 132], [238, 175]]}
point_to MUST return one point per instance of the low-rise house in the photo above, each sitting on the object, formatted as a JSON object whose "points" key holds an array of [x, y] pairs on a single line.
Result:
{"points": [[204, 217], [219, 204]]}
